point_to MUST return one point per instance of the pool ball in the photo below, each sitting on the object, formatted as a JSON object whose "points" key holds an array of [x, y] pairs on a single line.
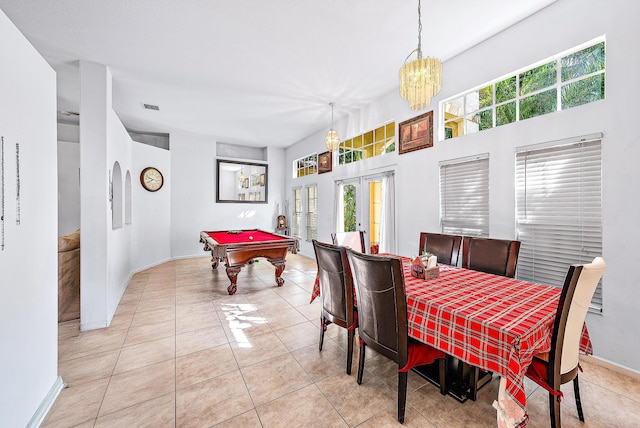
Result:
{"points": [[250, 238]]}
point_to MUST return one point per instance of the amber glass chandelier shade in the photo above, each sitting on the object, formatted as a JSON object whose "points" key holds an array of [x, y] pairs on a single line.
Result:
{"points": [[420, 80]]}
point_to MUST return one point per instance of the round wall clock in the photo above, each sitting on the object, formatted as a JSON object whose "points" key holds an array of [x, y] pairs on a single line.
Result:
{"points": [[151, 179]]}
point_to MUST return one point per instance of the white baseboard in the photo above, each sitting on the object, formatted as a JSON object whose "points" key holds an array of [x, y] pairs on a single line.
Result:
{"points": [[47, 403], [626, 371]]}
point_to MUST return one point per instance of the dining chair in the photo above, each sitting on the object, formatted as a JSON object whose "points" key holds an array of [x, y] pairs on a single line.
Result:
{"points": [[445, 247], [561, 364], [382, 320], [353, 240], [496, 256], [336, 293]]}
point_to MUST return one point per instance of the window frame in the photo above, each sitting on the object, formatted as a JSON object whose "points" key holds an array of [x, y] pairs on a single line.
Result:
{"points": [[467, 117], [553, 233], [467, 172], [296, 215], [311, 215]]}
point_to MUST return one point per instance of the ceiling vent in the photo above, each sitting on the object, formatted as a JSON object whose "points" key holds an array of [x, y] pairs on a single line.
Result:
{"points": [[151, 107]]}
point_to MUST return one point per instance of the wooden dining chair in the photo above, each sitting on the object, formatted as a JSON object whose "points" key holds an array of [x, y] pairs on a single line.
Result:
{"points": [[561, 365], [354, 240], [382, 320], [336, 293], [445, 247], [496, 256]]}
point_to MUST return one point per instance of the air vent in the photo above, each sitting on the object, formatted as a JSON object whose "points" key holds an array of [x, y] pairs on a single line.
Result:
{"points": [[151, 107]]}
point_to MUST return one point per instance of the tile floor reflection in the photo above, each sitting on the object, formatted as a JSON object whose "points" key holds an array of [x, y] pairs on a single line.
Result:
{"points": [[181, 352]]}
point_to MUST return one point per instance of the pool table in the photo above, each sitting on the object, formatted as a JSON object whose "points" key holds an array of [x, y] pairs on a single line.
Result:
{"points": [[239, 247]]}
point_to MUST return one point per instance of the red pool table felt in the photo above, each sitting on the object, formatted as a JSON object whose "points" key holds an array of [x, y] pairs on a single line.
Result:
{"points": [[225, 238]]}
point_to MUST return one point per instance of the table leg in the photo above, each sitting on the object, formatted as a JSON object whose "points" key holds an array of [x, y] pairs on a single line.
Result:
{"points": [[232, 273], [214, 262], [279, 264]]}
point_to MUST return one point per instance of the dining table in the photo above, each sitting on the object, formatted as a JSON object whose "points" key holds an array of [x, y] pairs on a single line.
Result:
{"points": [[492, 322]]}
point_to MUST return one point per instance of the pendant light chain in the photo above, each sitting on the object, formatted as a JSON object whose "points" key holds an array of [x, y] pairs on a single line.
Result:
{"points": [[419, 31]]}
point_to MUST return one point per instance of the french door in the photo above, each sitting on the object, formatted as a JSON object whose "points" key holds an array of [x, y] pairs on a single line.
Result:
{"points": [[359, 206]]}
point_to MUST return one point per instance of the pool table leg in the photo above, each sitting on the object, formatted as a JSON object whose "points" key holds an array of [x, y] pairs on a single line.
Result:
{"points": [[232, 273], [279, 264]]}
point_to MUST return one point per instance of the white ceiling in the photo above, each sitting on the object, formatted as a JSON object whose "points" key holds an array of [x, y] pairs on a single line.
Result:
{"points": [[254, 72]]}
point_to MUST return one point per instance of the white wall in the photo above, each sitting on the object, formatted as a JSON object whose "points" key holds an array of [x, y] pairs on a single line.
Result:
{"points": [[68, 187], [193, 195], [119, 240], [151, 211], [28, 307], [105, 252], [560, 26]]}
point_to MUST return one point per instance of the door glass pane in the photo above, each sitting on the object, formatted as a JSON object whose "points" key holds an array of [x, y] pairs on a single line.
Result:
{"points": [[349, 195], [375, 212]]}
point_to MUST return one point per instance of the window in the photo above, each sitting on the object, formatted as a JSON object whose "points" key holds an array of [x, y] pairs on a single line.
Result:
{"points": [[370, 144], [567, 80], [464, 196], [305, 166], [296, 227], [559, 210], [312, 212]]}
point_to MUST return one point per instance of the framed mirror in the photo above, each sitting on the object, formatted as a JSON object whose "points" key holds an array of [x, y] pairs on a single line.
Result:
{"points": [[241, 182]]}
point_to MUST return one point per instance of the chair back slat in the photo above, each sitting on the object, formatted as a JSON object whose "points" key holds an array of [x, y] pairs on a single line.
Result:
{"points": [[445, 247]]}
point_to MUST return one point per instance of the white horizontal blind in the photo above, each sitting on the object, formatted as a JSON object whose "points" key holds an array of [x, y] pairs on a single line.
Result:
{"points": [[312, 212], [558, 211], [297, 213], [464, 196]]}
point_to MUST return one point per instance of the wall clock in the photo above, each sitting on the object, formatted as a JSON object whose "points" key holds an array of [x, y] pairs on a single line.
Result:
{"points": [[151, 179]]}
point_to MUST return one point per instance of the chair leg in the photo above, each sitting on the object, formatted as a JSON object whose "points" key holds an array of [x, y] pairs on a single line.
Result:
{"points": [[402, 395], [576, 390], [554, 411], [361, 363], [323, 328], [474, 373], [350, 336], [442, 368]]}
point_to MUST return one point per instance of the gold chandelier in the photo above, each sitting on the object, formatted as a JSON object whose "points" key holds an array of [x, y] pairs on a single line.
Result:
{"points": [[331, 139], [420, 79]]}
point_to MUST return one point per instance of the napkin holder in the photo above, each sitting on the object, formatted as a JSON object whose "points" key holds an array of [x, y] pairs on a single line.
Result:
{"points": [[425, 267]]}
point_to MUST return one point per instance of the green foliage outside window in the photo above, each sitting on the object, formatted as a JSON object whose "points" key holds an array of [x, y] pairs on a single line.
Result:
{"points": [[349, 195], [579, 77]]}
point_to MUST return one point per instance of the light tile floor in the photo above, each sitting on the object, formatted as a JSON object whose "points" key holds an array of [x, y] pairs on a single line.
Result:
{"points": [[181, 352]]}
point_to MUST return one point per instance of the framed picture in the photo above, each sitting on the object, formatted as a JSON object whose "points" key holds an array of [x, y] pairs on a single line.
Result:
{"points": [[325, 162], [262, 180], [416, 133], [255, 180]]}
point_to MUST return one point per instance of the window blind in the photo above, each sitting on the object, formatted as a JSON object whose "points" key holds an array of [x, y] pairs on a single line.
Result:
{"points": [[296, 227], [464, 196], [559, 211], [312, 212]]}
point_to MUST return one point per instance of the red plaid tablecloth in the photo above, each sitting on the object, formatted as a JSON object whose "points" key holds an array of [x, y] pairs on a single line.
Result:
{"points": [[492, 322], [489, 321]]}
